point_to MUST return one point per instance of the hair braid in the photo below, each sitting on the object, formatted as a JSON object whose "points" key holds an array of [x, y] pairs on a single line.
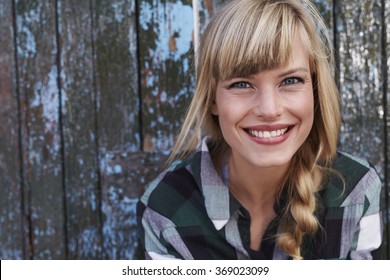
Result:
{"points": [[299, 217]]}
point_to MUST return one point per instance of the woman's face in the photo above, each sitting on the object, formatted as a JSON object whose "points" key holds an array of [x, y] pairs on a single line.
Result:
{"points": [[267, 116]]}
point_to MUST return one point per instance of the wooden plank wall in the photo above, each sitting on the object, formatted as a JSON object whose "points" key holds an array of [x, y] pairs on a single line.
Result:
{"points": [[93, 92]]}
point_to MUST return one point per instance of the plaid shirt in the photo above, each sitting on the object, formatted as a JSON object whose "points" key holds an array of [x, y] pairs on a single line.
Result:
{"points": [[187, 212]]}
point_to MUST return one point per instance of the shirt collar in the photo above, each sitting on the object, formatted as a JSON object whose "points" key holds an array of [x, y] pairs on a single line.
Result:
{"points": [[220, 204]]}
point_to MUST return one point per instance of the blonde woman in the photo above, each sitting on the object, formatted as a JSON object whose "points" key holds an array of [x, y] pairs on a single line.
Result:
{"points": [[255, 173]]}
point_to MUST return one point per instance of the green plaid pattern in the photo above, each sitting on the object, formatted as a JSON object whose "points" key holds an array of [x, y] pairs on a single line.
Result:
{"points": [[187, 212]]}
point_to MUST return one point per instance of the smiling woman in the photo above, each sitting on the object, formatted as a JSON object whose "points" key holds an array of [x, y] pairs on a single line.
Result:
{"points": [[266, 117], [255, 173]]}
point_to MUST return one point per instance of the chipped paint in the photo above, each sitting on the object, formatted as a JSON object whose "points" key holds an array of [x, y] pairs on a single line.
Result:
{"points": [[175, 23], [26, 39], [46, 96], [87, 241], [119, 212], [167, 33]]}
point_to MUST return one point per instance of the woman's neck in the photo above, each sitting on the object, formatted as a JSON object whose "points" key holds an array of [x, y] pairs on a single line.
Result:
{"points": [[255, 186]]}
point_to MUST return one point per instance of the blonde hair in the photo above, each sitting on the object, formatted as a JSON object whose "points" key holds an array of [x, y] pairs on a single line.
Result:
{"points": [[248, 36]]}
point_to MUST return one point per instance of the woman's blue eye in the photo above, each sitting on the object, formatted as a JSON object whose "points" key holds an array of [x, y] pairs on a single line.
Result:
{"points": [[292, 81], [239, 85]]}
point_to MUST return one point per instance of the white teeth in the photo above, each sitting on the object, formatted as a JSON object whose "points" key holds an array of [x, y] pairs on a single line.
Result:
{"points": [[268, 134]]}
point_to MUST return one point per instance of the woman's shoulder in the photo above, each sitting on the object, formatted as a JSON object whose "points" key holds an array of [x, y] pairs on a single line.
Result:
{"points": [[176, 186], [352, 181]]}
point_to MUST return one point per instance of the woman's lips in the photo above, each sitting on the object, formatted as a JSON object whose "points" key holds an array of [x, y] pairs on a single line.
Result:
{"points": [[269, 134]]}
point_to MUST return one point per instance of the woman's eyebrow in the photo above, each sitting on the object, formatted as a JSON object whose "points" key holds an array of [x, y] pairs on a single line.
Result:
{"points": [[294, 70]]}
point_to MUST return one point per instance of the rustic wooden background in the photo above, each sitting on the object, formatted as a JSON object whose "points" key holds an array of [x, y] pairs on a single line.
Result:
{"points": [[92, 93]]}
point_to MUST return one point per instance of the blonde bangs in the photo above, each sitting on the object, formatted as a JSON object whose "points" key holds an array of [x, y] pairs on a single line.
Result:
{"points": [[259, 40]]}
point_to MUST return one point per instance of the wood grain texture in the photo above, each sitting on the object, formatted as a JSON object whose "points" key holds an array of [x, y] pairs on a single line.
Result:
{"points": [[83, 201], [118, 113], [11, 213], [360, 71], [165, 36], [38, 73]]}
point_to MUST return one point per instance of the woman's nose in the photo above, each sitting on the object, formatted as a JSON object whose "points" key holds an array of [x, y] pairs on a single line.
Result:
{"points": [[267, 105]]}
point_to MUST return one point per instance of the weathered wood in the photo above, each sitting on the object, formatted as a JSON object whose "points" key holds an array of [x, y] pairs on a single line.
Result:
{"points": [[128, 173], [101, 101], [361, 88], [83, 201], [118, 123], [11, 219], [165, 36], [38, 73]]}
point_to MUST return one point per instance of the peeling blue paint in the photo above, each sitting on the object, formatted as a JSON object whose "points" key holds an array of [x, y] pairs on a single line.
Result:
{"points": [[122, 214], [26, 40], [46, 95], [174, 20]]}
